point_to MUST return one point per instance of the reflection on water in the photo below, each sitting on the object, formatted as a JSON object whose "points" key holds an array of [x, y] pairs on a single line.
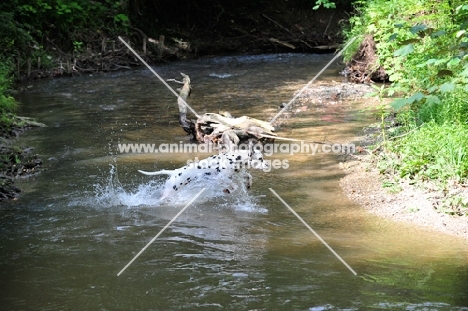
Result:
{"points": [[80, 221]]}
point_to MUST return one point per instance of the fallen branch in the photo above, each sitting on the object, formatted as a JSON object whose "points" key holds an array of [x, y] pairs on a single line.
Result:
{"points": [[282, 43], [28, 122], [217, 128]]}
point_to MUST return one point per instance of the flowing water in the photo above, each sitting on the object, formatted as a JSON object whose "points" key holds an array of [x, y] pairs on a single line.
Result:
{"points": [[80, 221]]}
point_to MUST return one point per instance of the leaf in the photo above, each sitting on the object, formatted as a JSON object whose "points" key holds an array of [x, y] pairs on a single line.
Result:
{"points": [[447, 87], [453, 62], [399, 103], [438, 33], [392, 37], [121, 17], [464, 73], [432, 99], [372, 94], [426, 63], [394, 77], [371, 28], [415, 98], [441, 61], [403, 51], [462, 8], [418, 28]]}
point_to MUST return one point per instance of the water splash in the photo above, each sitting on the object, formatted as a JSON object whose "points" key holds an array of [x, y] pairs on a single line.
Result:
{"points": [[221, 75], [112, 193]]}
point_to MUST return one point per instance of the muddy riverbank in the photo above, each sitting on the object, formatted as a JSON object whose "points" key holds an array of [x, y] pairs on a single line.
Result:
{"points": [[416, 204], [16, 160]]}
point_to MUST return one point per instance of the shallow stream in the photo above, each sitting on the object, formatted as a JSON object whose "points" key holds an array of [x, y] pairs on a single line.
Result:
{"points": [[80, 221]]}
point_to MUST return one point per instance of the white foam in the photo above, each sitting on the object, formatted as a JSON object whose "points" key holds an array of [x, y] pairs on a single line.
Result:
{"points": [[220, 75], [113, 193]]}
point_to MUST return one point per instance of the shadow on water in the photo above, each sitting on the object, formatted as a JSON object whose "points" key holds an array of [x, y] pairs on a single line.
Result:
{"points": [[80, 221]]}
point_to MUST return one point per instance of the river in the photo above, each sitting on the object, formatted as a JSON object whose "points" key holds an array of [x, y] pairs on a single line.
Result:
{"points": [[89, 212]]}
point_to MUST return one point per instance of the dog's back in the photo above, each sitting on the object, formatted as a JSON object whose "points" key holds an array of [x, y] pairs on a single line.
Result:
{"points": [[225, 164]]}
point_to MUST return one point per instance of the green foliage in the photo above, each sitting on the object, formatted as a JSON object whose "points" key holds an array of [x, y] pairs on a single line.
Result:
{"points": [[27, 26], [456, 205], [14, 37], [423, 47], [7, 103], [379, 93], [433, 152], [325, 3], [67, 16]]}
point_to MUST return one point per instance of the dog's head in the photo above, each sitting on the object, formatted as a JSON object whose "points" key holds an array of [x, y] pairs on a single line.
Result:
{"points": [[256, 160], [249, 159]]}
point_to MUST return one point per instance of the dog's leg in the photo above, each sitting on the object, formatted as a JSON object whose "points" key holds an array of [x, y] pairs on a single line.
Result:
{"points": [[230, 187], [247, 180]]}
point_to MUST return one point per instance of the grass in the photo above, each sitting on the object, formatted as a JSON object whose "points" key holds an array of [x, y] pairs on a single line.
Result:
{"points": [[434, 156], [423, 47], [432, 152]]}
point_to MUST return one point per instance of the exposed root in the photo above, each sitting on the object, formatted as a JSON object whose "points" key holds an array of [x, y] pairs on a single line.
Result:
{"points": [[364, 66]]}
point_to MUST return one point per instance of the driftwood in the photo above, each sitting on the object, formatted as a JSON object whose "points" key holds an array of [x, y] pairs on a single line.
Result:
{"points": [[230, 131], [27, 122], [221, 128], [184, 93], [282, 43]]}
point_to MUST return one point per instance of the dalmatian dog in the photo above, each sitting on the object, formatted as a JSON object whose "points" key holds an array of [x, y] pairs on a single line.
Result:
{"points": [[223, 165]]}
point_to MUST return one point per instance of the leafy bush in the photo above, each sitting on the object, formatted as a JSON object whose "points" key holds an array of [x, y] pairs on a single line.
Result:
{"points": [[423, 47], [8, 104], [14, 38], [28, 27]]}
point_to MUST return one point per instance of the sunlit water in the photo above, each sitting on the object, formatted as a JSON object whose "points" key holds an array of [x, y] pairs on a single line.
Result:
{"points": [[80, 221]]}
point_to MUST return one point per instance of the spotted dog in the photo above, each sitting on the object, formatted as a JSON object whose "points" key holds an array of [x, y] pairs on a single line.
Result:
{"points": [[224, 165]]}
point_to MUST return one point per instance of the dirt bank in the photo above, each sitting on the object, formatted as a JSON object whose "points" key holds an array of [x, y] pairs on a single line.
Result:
{"points": [[16, 161], [417, 204], [400, 202]]}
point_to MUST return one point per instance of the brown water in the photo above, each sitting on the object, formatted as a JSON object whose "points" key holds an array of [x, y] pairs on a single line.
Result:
{"points": [[80, 221]]}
